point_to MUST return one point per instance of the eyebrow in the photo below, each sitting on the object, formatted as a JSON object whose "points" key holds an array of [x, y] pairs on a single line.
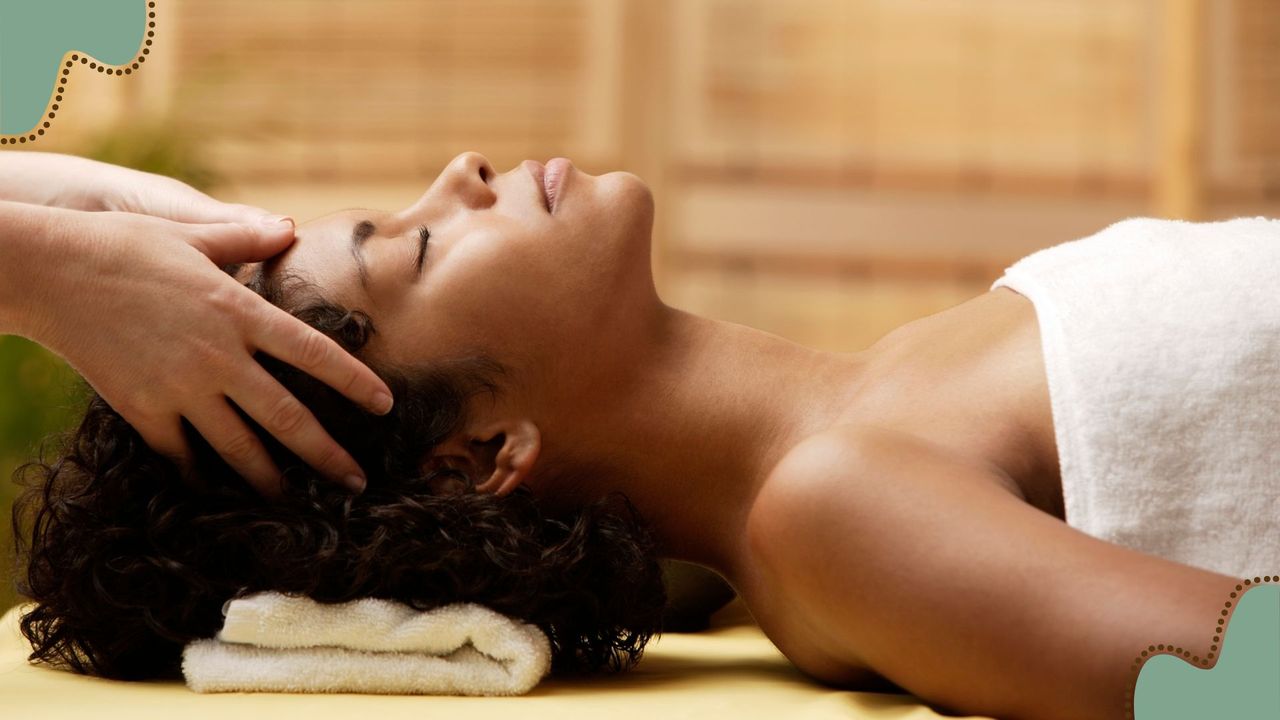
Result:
{"points": [[359, 234]]}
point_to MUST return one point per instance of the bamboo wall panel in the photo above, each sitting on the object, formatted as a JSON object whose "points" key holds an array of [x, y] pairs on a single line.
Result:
{"points": [[1243, 97], [1040, 87], [393, 88]]}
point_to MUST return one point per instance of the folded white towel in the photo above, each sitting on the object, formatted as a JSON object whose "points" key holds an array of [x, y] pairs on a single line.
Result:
{"points": [[271, 642]]}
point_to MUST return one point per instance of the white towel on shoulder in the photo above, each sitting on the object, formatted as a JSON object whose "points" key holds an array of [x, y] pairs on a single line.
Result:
{"points": [[1161, 343], [271, 642]]}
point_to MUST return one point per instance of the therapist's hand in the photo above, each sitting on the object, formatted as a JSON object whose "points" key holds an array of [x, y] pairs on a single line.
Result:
{"points": [[138, 305]]}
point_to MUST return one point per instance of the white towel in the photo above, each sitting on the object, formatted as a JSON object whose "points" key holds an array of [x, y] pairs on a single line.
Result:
{"points": [[271, 642], [1161, 344]]}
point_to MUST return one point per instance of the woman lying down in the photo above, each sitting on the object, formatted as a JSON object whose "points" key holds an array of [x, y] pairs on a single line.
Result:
{"points": [[924, 514]]}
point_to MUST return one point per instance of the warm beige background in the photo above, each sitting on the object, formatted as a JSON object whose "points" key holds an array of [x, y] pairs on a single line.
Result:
{"points": [[824, 169]]}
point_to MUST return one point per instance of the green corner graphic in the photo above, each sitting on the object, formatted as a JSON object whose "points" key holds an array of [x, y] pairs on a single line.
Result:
{"points": [[36, 34], [1245, 683]]}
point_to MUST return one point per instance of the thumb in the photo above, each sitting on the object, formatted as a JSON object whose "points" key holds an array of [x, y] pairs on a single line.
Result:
{"points": [[228, 243]]}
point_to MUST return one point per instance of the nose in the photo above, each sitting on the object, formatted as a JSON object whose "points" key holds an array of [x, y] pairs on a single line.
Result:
{"points": [[467, 179]]}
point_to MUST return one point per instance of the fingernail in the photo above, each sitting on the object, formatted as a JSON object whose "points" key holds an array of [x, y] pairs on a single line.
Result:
{"points": [[273, 220], [382, 403], [354, 483]]}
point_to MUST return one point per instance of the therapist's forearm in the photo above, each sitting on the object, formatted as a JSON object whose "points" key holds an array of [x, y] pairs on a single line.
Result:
{"points": [[55, 180], [35, 246]]}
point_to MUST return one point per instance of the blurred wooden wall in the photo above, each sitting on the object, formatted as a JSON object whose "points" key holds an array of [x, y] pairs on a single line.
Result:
{"points": [[824, 169]]}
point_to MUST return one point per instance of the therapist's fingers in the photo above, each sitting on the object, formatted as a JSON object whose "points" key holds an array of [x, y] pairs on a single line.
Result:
{"points": [[228, 243], [289, 421], [175, 200], [292, 341], [167, 439], [232, 439]]}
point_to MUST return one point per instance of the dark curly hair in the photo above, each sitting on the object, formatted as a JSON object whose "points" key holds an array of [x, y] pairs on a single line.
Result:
{"points": [[127, 561]]}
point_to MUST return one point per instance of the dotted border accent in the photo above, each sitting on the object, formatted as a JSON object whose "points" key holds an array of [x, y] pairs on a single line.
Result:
{"points": [[1219, 631], [70, 62]]}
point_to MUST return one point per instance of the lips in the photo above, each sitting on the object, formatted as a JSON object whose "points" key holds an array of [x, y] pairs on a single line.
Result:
{"points": [[553, 181], [550, 179]]}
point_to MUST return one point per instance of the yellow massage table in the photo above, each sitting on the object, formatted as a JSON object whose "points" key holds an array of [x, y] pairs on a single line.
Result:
{"points": [[728, 671]]}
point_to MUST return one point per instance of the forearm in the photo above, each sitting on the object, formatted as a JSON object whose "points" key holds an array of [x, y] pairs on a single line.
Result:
{"points": [[56, 180], [34, 245]]}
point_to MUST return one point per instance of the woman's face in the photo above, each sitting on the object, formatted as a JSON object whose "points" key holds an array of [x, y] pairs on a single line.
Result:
{"points": [[525, 265]]}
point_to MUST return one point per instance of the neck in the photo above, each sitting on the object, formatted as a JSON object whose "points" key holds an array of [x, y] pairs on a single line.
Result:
{"points": [[689, 422]]}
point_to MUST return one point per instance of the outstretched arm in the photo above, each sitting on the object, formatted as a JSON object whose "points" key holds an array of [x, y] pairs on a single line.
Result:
{"points": [[938, 578], [76, 183]]}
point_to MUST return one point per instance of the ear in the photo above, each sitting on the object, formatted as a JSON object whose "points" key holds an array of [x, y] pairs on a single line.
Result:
{"points": [[500, 455]]}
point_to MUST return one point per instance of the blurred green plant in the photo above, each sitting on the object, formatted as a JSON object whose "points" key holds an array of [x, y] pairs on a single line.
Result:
{"points": [[40, 395], [154, 148]]}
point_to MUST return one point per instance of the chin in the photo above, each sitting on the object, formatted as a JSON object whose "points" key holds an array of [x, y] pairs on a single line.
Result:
{"points": [[629, 194]]}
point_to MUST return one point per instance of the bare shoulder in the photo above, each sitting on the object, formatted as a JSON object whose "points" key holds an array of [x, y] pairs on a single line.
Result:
{"points": [[820, 513], [841, 491], [844, 468]]}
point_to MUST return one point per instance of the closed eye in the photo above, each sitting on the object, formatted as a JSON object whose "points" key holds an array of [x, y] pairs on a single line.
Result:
{"points": [[423, 236]]}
